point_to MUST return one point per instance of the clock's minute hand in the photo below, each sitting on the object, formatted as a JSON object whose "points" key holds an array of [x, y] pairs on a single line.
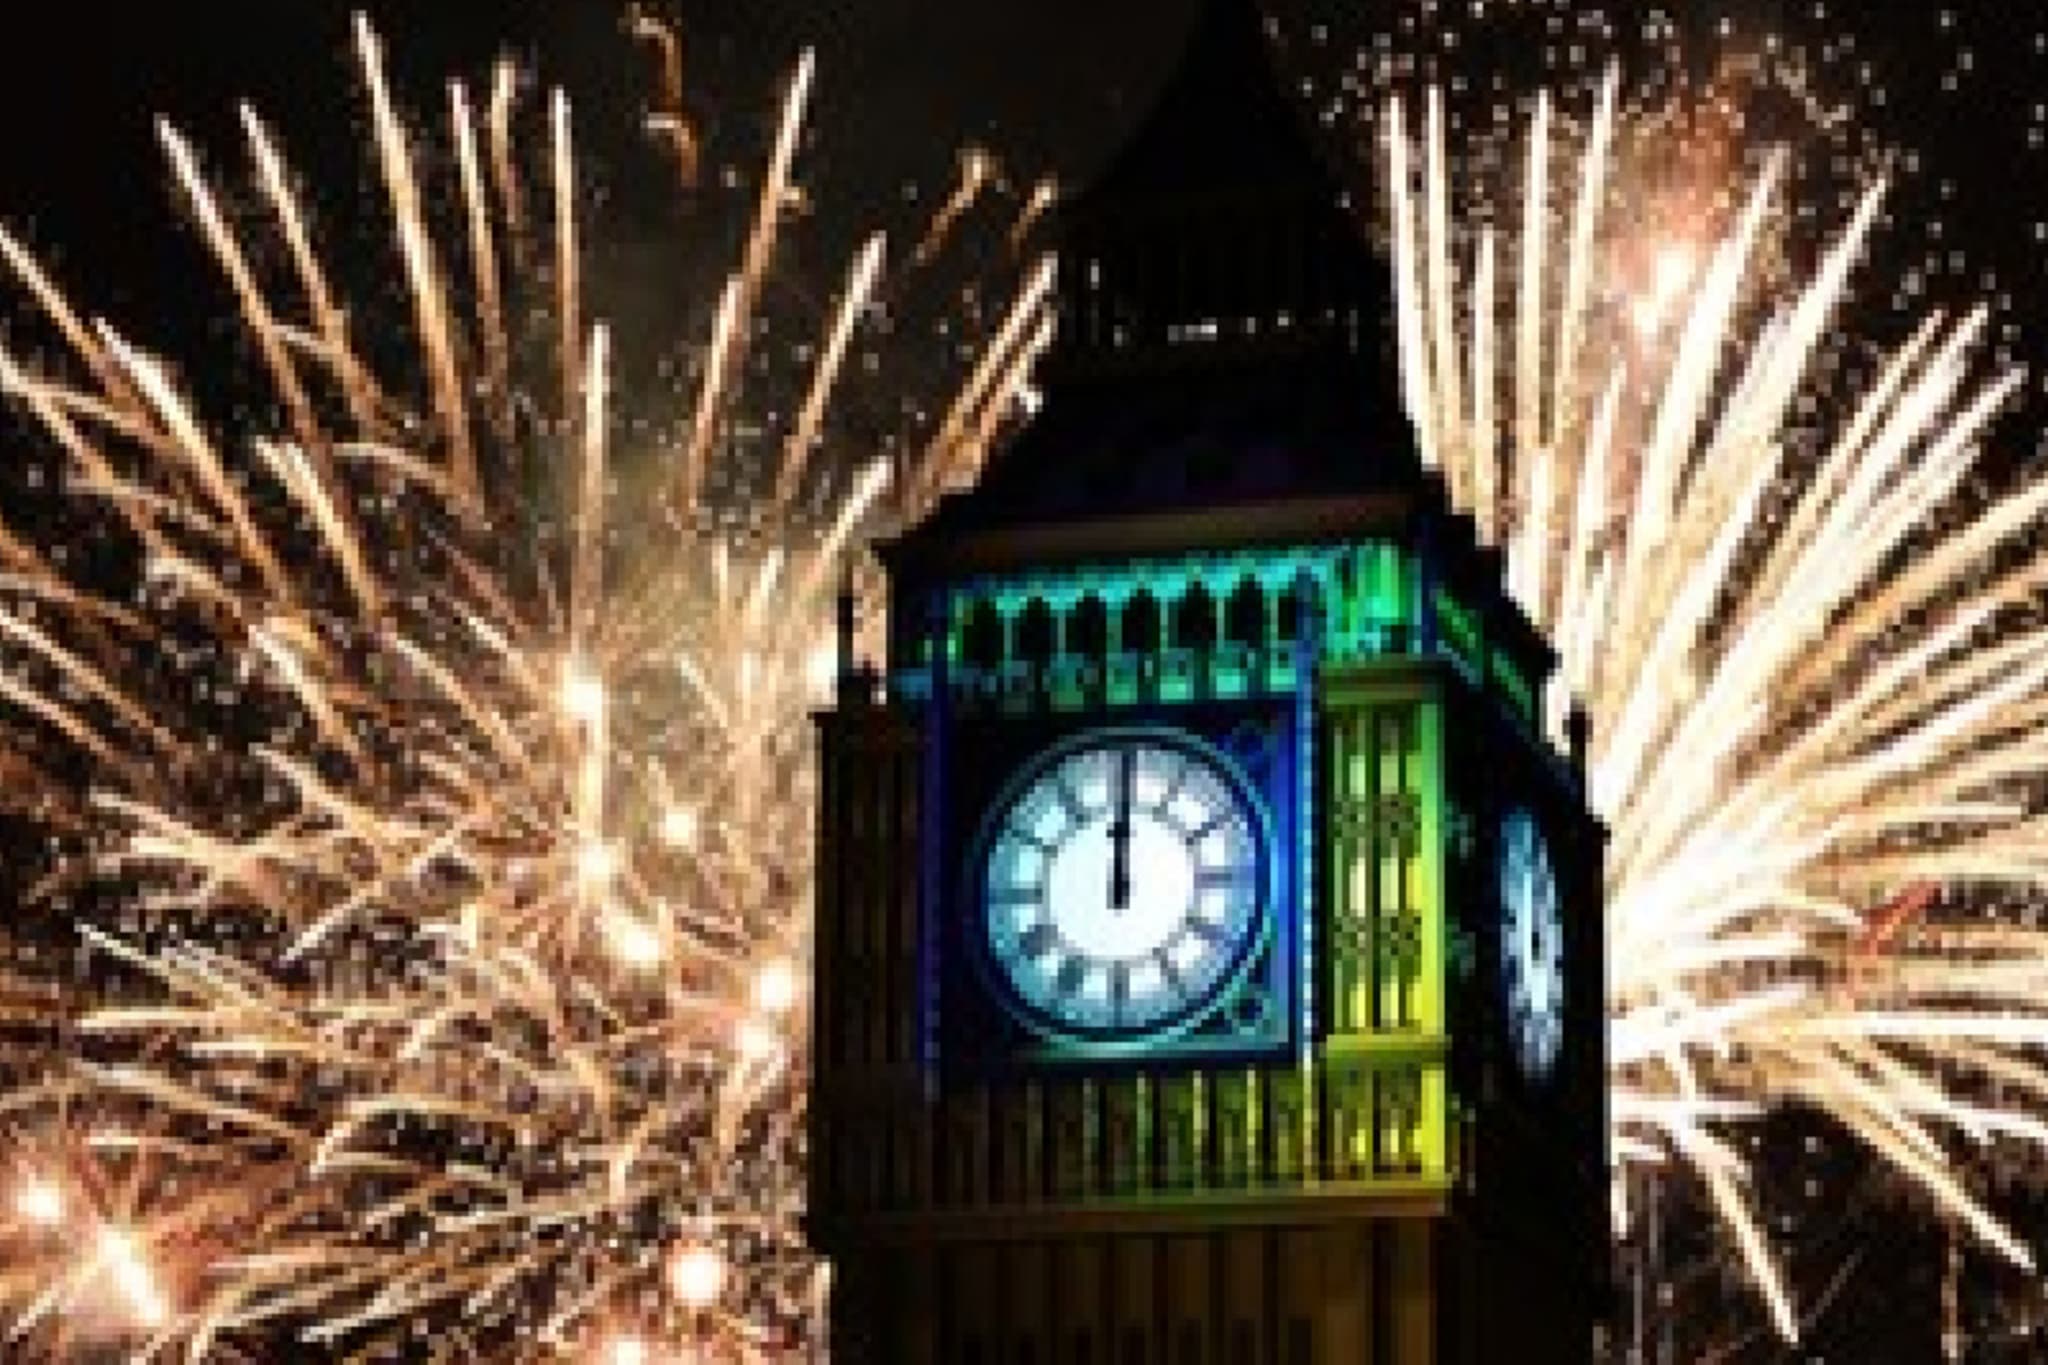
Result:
{"points": [[1120, 832]]}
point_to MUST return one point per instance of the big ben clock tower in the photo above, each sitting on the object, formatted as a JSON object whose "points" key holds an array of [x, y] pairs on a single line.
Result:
{"points": [[1209, 943]]}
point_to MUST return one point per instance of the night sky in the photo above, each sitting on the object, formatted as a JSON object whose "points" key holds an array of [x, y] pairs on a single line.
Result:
{"points": [[902, 84], [1049, 84]]}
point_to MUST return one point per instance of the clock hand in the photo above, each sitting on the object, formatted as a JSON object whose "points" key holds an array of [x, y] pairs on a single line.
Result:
{"points": [[1120, 832]]}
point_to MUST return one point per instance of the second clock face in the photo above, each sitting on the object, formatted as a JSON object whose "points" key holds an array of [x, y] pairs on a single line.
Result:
{"points": [[1532, 944], [1124, 885]]}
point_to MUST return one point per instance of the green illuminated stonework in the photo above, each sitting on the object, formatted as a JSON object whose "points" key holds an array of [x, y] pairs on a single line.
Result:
{"points": [[1202, 627], [1386, 1049]]}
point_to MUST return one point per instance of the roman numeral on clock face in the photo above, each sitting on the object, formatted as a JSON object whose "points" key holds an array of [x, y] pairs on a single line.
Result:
{"points": [[1168, 968], [1070, 802], [1038, 941], [1178, 776]]}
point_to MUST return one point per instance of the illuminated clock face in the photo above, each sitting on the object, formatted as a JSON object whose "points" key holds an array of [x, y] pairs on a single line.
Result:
{"points": [[1124, 886], [1532, 944]]}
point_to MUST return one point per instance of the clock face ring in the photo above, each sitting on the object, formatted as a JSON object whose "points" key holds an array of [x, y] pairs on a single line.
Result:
{"points": [[1123, 886], [1532, 945]]}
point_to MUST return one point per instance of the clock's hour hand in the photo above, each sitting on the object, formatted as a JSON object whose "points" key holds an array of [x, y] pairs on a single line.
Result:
{"points": [[1120, 832]]}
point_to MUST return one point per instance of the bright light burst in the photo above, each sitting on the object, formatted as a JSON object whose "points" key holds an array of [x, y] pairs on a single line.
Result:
{"points": [[444, 879], [1801, 629], [439, 877]]}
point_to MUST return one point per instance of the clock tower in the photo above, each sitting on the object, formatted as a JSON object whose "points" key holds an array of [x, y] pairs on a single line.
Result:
{"points": [[1209, 941]]}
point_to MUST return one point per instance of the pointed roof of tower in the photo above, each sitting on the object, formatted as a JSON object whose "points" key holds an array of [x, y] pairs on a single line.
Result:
{"points": [[1224, 330], [1220, 125]]}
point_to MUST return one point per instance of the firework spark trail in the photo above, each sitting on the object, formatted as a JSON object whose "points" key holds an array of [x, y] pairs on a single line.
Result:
{"points": [[1585, 224], [977, 172], [1043, 196], [568, 276], [586, 592], [483, 254], [446, 940], [365, 404], [1804, 720], [952, 455], [504, 165], [308, 469], [803, 438], [732, 330], [430, 308], [1441, 312], [669, 118], [1529, 310], [718, 362]]}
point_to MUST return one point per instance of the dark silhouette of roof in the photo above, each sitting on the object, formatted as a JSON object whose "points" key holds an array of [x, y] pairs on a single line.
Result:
{"points": [[1220, 125], [1224, 331]]}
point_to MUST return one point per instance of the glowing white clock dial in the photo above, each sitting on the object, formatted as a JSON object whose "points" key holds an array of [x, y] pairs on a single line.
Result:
{"points": [[1531, 944], [1123, 885]]}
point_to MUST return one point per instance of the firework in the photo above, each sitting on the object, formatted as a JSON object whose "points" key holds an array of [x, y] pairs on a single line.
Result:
{"points": [[441, 879], [1818, 723], [418, 964], [669, 119]]}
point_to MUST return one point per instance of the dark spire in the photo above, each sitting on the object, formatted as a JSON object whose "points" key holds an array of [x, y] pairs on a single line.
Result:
{"points": [[1218, 230], [1220, 126], [1224, 327]]}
